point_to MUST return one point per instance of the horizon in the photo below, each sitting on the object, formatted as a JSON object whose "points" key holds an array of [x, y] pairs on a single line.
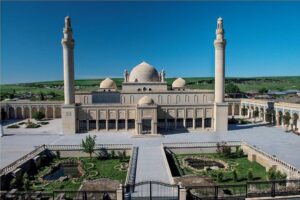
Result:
{"points": [[169, 35], [204, 77]]}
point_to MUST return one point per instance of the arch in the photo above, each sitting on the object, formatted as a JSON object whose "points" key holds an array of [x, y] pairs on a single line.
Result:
{"points": [[230, 109], [187, 99], [177, 99], [159, 99], [42, 110], [26, 112], [19, 113], [196, 99], [295, 119], [57, 112], [131, 99], [49, 112], [33, 110], [169, 99], [236, 109], [11, 113]]}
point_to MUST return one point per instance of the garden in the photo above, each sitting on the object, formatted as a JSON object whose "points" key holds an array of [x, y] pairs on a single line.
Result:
{"points": [[57, 173], [225, 166]]}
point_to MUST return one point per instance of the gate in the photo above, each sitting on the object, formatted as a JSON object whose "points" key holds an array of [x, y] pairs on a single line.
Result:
{"points": [[151, 190]]}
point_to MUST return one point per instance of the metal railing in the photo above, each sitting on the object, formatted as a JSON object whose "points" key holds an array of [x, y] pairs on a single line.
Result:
{"points": [[14, 165], [245, 190]]}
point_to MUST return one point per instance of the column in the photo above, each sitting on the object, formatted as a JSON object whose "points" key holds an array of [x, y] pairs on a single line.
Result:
{"points": [[117, 120], [126, 120], [106, 121], [232, 109], [264, 114], [97, 120], [277, 119], [30, 112]]}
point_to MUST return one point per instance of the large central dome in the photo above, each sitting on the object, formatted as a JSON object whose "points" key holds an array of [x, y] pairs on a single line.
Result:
{"points": [[143, 73]]}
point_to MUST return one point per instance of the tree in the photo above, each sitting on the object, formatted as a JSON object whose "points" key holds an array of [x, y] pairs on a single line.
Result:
{"points": [[244, 112], [89, 144], [42, 96], [255, 114], [38, 115], [220, 176], [232, 88], [263, 90], [271, 174], [286, 120]]}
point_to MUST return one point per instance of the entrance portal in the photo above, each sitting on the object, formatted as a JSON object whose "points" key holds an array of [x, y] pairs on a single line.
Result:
{"points": [[146, 126]]}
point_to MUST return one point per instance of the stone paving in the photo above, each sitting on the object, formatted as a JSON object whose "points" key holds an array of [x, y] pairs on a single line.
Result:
{"points": [[274, 141]]}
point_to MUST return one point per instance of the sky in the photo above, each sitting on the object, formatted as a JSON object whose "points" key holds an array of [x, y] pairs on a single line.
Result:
{"points": [[263, 38]]}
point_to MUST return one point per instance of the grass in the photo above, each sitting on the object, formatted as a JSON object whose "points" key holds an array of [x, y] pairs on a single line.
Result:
{"points": [[241, 165], [103, 169]]}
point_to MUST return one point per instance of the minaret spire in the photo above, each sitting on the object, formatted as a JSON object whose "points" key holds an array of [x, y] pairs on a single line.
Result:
{"points": [[220, 44], [68, 56], [220, 107]]}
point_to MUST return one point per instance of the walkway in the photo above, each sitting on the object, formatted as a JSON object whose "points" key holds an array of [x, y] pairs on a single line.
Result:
{"points": [[151, 165]]}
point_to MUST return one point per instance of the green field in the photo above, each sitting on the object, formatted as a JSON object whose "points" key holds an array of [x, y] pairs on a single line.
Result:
{"points": [[55, 88]]}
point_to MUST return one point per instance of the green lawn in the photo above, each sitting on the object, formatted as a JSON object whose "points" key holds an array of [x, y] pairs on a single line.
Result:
{"points": [[241, 165], [94, 169]]}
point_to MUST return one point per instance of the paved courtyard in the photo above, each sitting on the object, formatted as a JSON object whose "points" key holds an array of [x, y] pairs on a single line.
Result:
{"points": [[274, 141]]}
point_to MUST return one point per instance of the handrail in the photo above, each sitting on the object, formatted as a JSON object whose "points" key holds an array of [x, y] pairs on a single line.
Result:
{"points": [[14, 165]]}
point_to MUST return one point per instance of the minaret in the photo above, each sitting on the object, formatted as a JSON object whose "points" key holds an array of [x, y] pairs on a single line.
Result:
{"points": [[220, 107], [68, 110], [220, 44], [68, 56]]}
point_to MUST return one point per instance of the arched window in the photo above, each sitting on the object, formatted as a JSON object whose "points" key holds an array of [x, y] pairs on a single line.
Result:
{"points": [[177, 99], [187, 99], [169, 99], [131, 99], [150, 89], [196, 99], [144, 89], [159, 99]]}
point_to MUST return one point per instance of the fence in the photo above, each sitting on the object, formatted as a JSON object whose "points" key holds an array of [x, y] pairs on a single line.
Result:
{"points": [[58, 195], [242, 191]]}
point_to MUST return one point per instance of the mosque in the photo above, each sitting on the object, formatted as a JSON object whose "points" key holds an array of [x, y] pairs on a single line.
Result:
{"points": [[145, 104]]}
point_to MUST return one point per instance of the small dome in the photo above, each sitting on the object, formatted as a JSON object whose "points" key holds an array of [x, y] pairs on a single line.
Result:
{"points": [[143, 73], [108, 84], [145, 101], [179, 83]]}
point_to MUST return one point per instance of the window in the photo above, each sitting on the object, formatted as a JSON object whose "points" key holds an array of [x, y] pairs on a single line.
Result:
{"points": [[111, 124], [121, 124], [189, 123], [92, 124], [82, 125], [131, 124], [180, 123], [198, 122], [144, 89], [207, 123], [102, 124]]}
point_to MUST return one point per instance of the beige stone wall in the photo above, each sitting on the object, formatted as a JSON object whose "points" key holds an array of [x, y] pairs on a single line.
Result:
{"points": [[171, 97]]}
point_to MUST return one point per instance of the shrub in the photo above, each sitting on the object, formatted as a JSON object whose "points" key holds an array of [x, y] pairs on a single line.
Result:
{"points": [[103, 154], [232, 121], [14, 126], [44, 123], [26, 182], [250, 174], [38, 115], [220, 176], [113, 154], [234, 175], [33, 125]]}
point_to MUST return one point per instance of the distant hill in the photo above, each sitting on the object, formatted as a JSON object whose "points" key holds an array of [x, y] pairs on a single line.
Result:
{"points": [[55, 88]]}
